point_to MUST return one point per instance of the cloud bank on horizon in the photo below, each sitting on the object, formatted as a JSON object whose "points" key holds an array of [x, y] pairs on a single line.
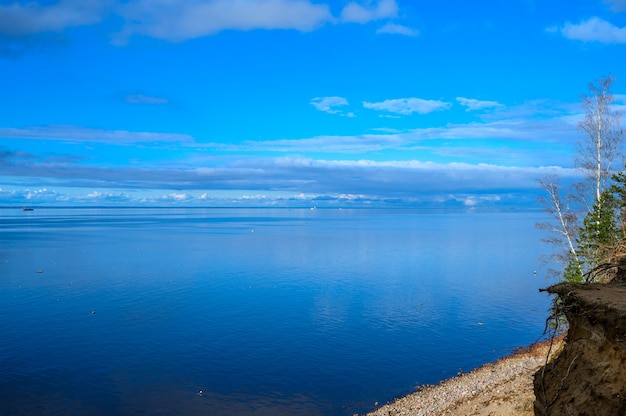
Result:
{"points": [[296, 102]]}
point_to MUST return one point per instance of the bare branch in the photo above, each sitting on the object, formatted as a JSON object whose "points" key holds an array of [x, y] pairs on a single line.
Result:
{"points": [[564, 226], [601, 147]]}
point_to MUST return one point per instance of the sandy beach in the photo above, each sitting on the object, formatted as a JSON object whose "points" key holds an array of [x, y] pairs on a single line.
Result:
{"points": [[501, 388]]}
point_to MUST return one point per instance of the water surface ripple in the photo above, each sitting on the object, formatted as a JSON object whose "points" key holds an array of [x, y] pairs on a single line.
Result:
{"points": [[265, 311]]}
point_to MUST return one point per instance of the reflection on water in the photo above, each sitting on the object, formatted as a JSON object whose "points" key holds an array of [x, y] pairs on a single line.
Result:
{"points": [[266, 311]]}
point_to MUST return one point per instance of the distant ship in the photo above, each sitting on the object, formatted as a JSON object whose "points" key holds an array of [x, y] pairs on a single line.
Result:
{"points": [[28, 209]]}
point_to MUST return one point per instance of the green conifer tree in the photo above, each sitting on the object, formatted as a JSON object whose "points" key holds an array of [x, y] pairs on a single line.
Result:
{"points": [[599, 233]]}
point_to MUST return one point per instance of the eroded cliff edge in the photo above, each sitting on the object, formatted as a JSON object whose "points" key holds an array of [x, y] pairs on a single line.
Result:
{"points": [[588, 377]]}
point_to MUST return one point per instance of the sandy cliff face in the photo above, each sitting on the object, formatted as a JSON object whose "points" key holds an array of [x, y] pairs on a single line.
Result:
{"points": [[589, 376]]}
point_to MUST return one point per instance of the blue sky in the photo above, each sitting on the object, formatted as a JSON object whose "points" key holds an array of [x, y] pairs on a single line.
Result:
{"points": [[297, 102]]}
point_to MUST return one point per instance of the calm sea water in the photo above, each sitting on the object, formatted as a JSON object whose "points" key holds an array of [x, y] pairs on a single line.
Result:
{"points": [[266, 311]]}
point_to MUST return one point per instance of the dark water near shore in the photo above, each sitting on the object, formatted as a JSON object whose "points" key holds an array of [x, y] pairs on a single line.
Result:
{"points": [[267, 311]]}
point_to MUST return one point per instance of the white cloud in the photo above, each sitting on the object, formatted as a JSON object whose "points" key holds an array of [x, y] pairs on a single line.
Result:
{"points": [[176, 196], [178, 21], [82, 134], [620, 106], [408, 106], [19, 19], [473, 200], [473, 104], [505, 156], [391, 177], [329, 104], [617, 5], [620, 98], [357, 13], [365, 178], [394, 29], [145, 99], [102, 197], [42, 194], [524, 131], [593, 30]]}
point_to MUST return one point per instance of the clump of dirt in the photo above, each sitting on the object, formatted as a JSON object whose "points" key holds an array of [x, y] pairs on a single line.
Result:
{"points": [[589, 375]]}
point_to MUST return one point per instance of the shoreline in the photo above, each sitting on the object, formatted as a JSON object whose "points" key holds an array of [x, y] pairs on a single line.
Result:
{"points": [[503, 387]]}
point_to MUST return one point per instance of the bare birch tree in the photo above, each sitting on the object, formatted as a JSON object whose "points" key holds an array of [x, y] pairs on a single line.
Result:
{"points": [[598, 152], [563, 226], [597, 155]]}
